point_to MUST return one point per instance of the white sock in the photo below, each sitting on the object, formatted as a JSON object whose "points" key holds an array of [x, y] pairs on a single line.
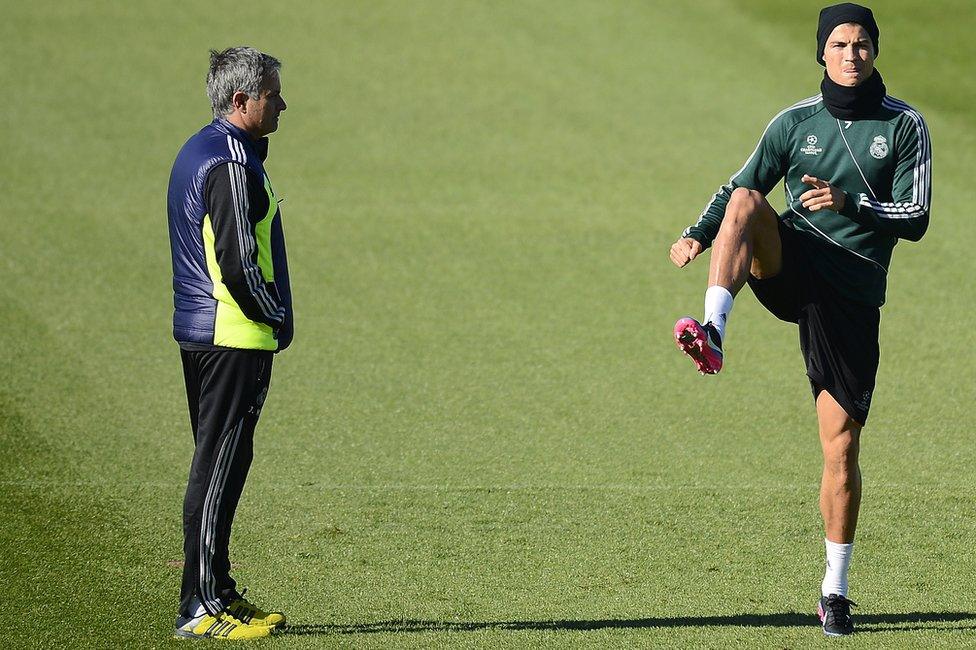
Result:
{"points": [[838, 562], [718, 306]]}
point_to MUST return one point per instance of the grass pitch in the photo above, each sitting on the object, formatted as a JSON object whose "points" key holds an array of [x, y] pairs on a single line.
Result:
{"points": [[483, 435]]}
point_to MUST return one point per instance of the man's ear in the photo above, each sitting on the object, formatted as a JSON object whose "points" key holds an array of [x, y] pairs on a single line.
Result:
{"points": [[239, 101]]}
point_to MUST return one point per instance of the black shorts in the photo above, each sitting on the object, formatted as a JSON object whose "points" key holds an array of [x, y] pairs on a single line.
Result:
{"points": [[838, 337]]}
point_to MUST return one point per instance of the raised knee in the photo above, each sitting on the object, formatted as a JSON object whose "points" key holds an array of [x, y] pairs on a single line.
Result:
{"points": [[744, 204], [746, 194], [744, 208]]}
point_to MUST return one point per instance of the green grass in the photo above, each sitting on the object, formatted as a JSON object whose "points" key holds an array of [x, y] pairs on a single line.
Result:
{"points": [[482, 435]]}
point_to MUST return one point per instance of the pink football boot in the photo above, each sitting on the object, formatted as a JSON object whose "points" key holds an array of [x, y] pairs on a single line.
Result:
{"points": [[701, 343]]}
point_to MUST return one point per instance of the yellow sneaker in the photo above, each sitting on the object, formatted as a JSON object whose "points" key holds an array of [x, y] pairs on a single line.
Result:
{"points": [[222, 626], [253, 615]]}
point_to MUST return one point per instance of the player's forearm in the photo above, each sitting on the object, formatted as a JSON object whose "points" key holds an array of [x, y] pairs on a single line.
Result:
{"points": [[259, 306], [902, 219], [242, 276]]}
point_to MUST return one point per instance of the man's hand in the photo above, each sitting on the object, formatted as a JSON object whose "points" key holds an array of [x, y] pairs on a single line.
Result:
{"points": [[823, 195], [684, 250]]}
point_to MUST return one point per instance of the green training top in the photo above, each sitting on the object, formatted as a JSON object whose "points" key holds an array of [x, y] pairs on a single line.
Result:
{"points": [[882, 162]]}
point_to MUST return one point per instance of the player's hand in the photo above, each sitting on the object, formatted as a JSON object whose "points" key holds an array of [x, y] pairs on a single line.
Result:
{"points": [[823, 195], [684, 250]]}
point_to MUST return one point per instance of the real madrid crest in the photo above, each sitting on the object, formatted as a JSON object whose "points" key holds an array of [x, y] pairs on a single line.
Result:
{"points": [[879, 148]]}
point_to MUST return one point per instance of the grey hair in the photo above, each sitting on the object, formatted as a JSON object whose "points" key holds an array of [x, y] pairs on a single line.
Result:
{"points": [[235, 69]]}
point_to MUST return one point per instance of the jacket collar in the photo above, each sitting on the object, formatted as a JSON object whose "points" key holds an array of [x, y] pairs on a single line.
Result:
{"points": [[258, 148]]}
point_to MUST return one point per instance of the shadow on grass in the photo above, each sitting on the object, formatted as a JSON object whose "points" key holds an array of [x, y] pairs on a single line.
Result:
{"points": [[865, 623]]}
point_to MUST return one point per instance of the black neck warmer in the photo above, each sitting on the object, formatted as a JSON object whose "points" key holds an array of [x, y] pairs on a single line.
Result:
{"points": [[853, 102]]}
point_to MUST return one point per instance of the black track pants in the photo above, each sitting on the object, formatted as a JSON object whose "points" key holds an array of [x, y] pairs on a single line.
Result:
{"points": [[225, 390]]}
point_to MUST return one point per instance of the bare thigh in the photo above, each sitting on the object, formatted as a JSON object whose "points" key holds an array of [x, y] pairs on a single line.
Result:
{"points": [[767, 248]]}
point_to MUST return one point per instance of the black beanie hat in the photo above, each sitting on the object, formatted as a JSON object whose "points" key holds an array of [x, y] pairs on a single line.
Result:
{"points": [[846, 12]]}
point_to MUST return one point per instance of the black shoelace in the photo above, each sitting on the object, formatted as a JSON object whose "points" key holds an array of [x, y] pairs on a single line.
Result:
{"points": [[838, 609]]}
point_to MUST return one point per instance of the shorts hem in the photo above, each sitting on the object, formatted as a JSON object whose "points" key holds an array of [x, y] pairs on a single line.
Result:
{"points": [[859, 416]]}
